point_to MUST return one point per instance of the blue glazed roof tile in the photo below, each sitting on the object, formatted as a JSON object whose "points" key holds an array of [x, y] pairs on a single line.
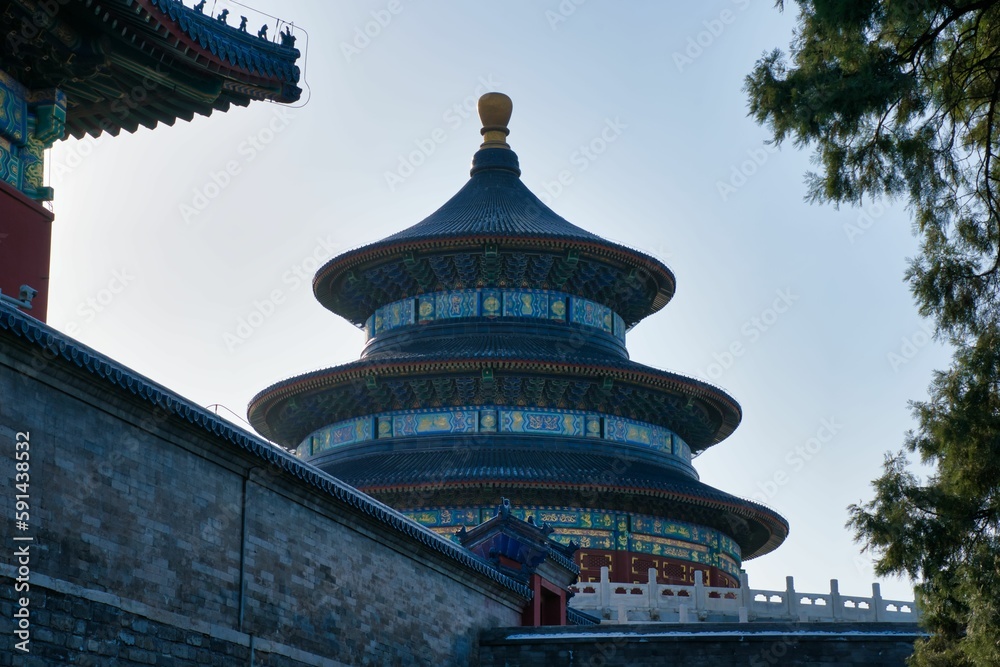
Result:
{"points": [[494, 203]]}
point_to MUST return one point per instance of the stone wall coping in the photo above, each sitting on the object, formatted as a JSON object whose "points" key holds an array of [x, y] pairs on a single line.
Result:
{"points": [[715, 631]]}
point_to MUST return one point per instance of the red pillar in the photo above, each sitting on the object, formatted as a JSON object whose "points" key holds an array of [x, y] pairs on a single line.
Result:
{"points": [[548, 604], [25, 243]]}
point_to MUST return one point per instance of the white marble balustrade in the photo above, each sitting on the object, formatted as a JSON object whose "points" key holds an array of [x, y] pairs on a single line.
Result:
{"points": [[644, 603]]}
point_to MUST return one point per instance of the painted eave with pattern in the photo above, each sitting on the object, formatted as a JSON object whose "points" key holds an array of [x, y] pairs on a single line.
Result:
{"points": [[621, 370]]}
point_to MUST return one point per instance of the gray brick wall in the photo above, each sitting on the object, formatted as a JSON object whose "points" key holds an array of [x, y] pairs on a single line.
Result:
{"points": [[138, 517], [76, 626]]}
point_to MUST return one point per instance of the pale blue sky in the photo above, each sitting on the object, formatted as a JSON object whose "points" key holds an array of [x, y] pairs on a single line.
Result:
{"points": [[164, 241]]}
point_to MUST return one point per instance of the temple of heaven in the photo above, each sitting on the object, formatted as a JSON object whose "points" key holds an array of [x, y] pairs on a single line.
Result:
{"points": [[495, 366]]}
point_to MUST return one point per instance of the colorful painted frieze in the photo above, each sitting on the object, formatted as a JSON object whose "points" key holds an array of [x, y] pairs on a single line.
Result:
{"points": [[659, 546], [592, 529], [591, 314], [10, 163], [425, 308], [588, 539], [653, 526], [543, 422], [488, 421], [460, 303], [637, 433], [460, 517], [564, 540], [729, 547], [473, 419], [451, 421], [342, 433], [394, 315], [681, 449], [492, 303], [427, 518], [455, 517], [557, 307], [728, 565], [29, 123], [49, 109], [32, 161], [13, 110], [526, 303], [618, 326], [571, 517], [622, 532]]}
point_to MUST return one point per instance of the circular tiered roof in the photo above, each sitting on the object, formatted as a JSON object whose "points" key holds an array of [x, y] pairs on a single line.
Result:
{"points": [[497, 328], [493, 233]]}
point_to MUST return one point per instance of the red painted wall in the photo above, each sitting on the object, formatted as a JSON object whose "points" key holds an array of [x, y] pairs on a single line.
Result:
{"points": [[25, 244], [628, 567]]}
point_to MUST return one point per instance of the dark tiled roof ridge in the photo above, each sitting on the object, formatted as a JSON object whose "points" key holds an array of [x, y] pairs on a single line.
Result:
{"points": [[56, 345], [242, 50], [581, 618], [563, 561], [494, 202]]}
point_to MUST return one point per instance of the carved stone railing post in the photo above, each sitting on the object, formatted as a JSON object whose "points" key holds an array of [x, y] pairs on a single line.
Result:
{"points": [[877, 604], [745, 597], [652, 591], [791, 599], [835, 600], [605, 588], [699, 590]]}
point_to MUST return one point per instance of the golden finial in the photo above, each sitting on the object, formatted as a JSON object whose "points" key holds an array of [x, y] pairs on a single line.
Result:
{"points": [[494, 111]]}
